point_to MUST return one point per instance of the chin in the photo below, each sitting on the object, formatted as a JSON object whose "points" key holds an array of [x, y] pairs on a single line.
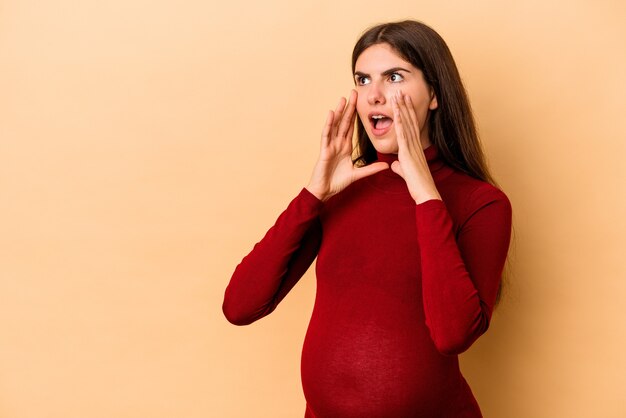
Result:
{"points": [[386, 145]]}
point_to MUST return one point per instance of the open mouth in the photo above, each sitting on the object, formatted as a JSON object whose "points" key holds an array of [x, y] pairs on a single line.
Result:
{"points": [[380, 122]]}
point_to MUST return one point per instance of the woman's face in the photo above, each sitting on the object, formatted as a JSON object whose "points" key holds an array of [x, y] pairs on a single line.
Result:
{"points": [[379, 73]]}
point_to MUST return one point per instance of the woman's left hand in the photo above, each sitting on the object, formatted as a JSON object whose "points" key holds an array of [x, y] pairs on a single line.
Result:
{"points": [[411, 165]]}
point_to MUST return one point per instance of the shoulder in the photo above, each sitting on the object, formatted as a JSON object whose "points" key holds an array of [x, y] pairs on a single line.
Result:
{"points": [[484, 193], [465, 196]]}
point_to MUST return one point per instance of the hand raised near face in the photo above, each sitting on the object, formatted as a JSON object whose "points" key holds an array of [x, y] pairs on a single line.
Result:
{"points": [[411, 165], [334, 170]]}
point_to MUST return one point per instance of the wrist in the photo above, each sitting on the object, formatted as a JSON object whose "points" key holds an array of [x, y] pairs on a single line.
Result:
{"points": [[423, 197], [422, 194], [317, 193], [421, 188]]}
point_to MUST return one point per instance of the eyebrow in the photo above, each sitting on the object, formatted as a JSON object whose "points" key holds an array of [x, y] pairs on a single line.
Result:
{"points": [[384, 73]]}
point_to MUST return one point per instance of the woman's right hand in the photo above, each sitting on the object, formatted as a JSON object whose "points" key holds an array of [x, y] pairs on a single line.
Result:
{"points": [[334, 170]]}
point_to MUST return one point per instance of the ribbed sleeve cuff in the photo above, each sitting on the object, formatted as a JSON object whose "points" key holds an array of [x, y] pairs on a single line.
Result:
{"points": [[308, 199], [432, 217], [430, 204]]}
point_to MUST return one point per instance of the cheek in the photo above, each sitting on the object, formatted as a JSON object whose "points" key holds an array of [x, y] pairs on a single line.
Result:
{"points": [[420, 107]]}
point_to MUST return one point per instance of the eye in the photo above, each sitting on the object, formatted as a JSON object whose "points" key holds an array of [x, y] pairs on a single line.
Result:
{"points": [[395, 77], [361, 80]]}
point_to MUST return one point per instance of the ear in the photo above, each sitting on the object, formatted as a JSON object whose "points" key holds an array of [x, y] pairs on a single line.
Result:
{"points": [[433, 100]]}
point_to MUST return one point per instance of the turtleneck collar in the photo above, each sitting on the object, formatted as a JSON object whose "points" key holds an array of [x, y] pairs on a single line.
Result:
{"points": [[435, 163], [392, 182]]}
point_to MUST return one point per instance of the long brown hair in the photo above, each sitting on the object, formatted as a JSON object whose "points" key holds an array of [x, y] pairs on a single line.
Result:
{"points": [[451, 125]]}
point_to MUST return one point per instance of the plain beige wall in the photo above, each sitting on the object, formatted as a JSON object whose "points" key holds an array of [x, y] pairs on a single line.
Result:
{"points": [[147, 145]]}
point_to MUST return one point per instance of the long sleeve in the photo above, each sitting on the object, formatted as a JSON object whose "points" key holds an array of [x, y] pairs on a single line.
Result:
{"points": [[460, 277], [276, 263]]}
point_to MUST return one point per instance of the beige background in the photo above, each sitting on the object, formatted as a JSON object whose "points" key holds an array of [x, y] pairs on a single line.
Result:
{"points": [[147, 145]]}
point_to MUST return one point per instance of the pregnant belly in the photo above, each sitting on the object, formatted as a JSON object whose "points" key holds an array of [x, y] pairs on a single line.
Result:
{"points": [[378, 367]]}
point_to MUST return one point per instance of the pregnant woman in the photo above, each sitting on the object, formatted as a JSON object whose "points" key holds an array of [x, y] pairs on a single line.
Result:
{"points": [[410, 232]]}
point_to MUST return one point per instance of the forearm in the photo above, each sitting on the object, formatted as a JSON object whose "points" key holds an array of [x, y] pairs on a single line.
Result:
{"points": [[276, 263], [460, 278], [421, 184]]}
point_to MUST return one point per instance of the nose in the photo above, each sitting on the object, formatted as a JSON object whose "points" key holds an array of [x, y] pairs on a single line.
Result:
{"points": [[376, 94]]}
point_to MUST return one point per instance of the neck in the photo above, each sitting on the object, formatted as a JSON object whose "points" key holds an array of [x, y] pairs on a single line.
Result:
{"points": [[390, 182], [430, 152]]}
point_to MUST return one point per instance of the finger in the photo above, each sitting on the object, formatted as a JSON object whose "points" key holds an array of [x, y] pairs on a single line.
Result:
{"points": [[353, 119], [347, 117], [412, 115], [409, 128], [396, 167], [414, 121], [340, 106], [351, 129], [328, 125], [369, 169], [417, 145], [398, 123], [338, 114]]}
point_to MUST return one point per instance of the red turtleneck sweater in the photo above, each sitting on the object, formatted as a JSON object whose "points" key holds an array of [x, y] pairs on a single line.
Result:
{"points": [[402, 289]]}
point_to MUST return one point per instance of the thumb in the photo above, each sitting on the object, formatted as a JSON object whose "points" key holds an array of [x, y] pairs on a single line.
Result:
{"points": [[397, 168], [370, 169]]}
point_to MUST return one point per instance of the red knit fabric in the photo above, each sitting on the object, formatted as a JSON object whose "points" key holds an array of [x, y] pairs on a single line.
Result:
{"points": [[402, 289]]}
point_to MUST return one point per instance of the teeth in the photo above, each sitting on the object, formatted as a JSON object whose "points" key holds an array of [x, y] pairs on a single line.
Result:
{"points": [[378, 117]]}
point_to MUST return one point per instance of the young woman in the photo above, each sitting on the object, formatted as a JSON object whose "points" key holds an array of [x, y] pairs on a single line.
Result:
{"points": [[411, 238]]}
